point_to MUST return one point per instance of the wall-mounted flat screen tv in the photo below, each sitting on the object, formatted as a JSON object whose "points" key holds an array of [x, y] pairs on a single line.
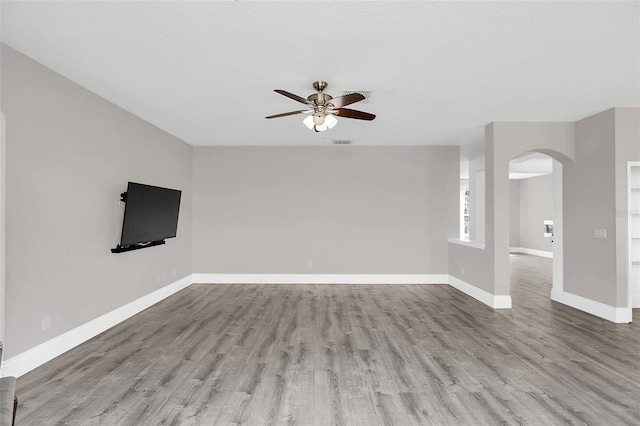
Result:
{"points": [[150, 216]]}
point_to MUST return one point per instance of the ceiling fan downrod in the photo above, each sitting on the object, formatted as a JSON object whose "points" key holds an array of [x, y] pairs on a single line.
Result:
{"points": [[319, 99]]}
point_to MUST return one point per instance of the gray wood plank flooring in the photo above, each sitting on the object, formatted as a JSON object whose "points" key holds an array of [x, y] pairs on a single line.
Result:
{"points": [[347, 355]]}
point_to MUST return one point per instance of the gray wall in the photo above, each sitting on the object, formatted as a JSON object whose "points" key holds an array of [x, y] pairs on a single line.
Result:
{"points": [[588, 192], [70, 154], [514, 210], [536, 206], [339, 209], [595, 196]]}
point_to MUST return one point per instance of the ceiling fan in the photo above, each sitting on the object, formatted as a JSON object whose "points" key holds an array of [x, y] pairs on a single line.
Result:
{"points": [[324, 107]]}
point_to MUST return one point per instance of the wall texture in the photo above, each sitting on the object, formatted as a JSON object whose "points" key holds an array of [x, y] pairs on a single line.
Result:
{"points": [[595, 196], [70, 154], [514, 210], [589, 191], [338, 209], [536, 206]]}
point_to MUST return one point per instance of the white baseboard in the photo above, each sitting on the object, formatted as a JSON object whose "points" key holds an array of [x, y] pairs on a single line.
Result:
{"points": [[36, 356], [608, 312], [320, 278], [534, 252], [492, 300], [635, 302]]}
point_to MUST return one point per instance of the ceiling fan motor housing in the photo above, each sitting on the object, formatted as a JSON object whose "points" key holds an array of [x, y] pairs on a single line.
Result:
{"points": [[319, 99]]}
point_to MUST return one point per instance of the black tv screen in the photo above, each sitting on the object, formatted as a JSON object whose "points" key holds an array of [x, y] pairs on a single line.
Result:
{"points": [[150, 214]]}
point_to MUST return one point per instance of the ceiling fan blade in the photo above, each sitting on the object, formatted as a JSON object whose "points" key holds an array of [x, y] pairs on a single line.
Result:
{"points": [[292, 96], [341, 101], [284, 114], [352, 113]]}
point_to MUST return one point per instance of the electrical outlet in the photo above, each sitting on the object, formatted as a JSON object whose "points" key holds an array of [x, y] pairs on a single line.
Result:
{"points": [[46, 322], [462, 271], [309, 265], [599, 232]]}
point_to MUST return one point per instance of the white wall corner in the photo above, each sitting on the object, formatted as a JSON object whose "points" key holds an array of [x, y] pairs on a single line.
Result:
{"points": [[492, 300], [38, 355], [608, 312]]}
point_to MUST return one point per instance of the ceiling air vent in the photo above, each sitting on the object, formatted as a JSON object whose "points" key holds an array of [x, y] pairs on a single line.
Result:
{"points": [[365, 93], [342, 141]]}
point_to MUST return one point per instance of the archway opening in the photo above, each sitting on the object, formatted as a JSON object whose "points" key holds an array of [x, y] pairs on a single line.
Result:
{"points": [[535, 225]]}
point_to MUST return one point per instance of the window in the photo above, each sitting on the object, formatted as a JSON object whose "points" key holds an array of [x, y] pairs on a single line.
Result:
{"points": [[464, 212]]}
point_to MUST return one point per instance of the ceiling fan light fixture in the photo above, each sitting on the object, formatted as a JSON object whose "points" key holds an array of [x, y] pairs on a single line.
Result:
{"points": [[309, 122], [330, 121], [318, 118]]}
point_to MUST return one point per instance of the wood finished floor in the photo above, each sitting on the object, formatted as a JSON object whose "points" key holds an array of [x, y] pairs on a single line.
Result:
{"points": [[347, 354]]}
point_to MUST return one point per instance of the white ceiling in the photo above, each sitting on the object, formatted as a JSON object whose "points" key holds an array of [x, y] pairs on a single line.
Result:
{"points": [[439, 71]]}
